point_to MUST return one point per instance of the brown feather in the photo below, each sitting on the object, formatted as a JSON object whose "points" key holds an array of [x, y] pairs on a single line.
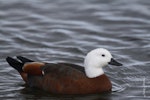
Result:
{"points": [[33, 68], [63, 79]]}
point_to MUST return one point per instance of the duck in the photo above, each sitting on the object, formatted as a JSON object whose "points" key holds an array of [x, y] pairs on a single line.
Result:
{"points": [[67, 78]]}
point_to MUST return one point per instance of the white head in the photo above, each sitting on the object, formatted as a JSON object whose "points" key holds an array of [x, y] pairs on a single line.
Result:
{"points": [[95, 60]]}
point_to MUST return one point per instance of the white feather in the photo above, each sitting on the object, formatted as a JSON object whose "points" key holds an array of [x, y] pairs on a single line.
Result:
{"points": [[95, 60]]}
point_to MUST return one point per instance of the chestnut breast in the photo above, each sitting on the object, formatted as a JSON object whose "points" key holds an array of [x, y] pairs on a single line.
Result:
{"points": [[64, 78]]}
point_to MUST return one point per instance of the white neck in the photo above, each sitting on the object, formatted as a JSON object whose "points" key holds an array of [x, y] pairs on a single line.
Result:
{"points": [[93, 72]]}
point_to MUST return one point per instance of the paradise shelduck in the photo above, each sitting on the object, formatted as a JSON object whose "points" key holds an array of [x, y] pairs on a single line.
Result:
{"points": [[66, 78]]}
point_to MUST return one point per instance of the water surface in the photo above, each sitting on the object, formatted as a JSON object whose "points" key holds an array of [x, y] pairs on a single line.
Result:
{"points": [[65, 30]]}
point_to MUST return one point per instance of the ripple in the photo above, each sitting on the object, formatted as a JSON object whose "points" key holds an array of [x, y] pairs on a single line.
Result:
{"points": [[64, 31]]}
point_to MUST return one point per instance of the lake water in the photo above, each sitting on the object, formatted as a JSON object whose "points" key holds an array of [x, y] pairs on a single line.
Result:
{"points": [[65, 30]]}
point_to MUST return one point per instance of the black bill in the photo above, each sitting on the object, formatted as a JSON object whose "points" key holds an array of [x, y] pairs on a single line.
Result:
{"points": [[114, 62]]}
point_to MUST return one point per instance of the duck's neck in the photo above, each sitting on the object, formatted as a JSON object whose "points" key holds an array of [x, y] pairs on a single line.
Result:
{"points": [[93, 72]]}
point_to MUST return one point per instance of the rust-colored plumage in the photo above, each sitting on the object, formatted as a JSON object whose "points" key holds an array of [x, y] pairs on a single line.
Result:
{"points": [[33, 68], [60, 78]]}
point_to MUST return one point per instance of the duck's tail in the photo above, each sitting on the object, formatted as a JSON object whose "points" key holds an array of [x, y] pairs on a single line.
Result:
{"points": [[17, 63]]}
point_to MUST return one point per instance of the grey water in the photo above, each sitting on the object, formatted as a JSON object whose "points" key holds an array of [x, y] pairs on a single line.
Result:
{"points": [[65, 30]]}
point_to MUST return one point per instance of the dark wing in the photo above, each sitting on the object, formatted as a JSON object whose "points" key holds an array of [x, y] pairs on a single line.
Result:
{"points": [[64, 69], [78, 67]]}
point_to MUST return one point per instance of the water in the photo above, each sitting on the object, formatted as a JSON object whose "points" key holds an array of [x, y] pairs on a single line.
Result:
{"points": [[65, 30]]}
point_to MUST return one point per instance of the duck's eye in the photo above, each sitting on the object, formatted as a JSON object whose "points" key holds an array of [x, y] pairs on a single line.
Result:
{"points": [[103, 55]]}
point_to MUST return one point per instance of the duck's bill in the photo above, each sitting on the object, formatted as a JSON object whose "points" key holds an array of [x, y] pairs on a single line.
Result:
{"points": [[114, 62]]}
